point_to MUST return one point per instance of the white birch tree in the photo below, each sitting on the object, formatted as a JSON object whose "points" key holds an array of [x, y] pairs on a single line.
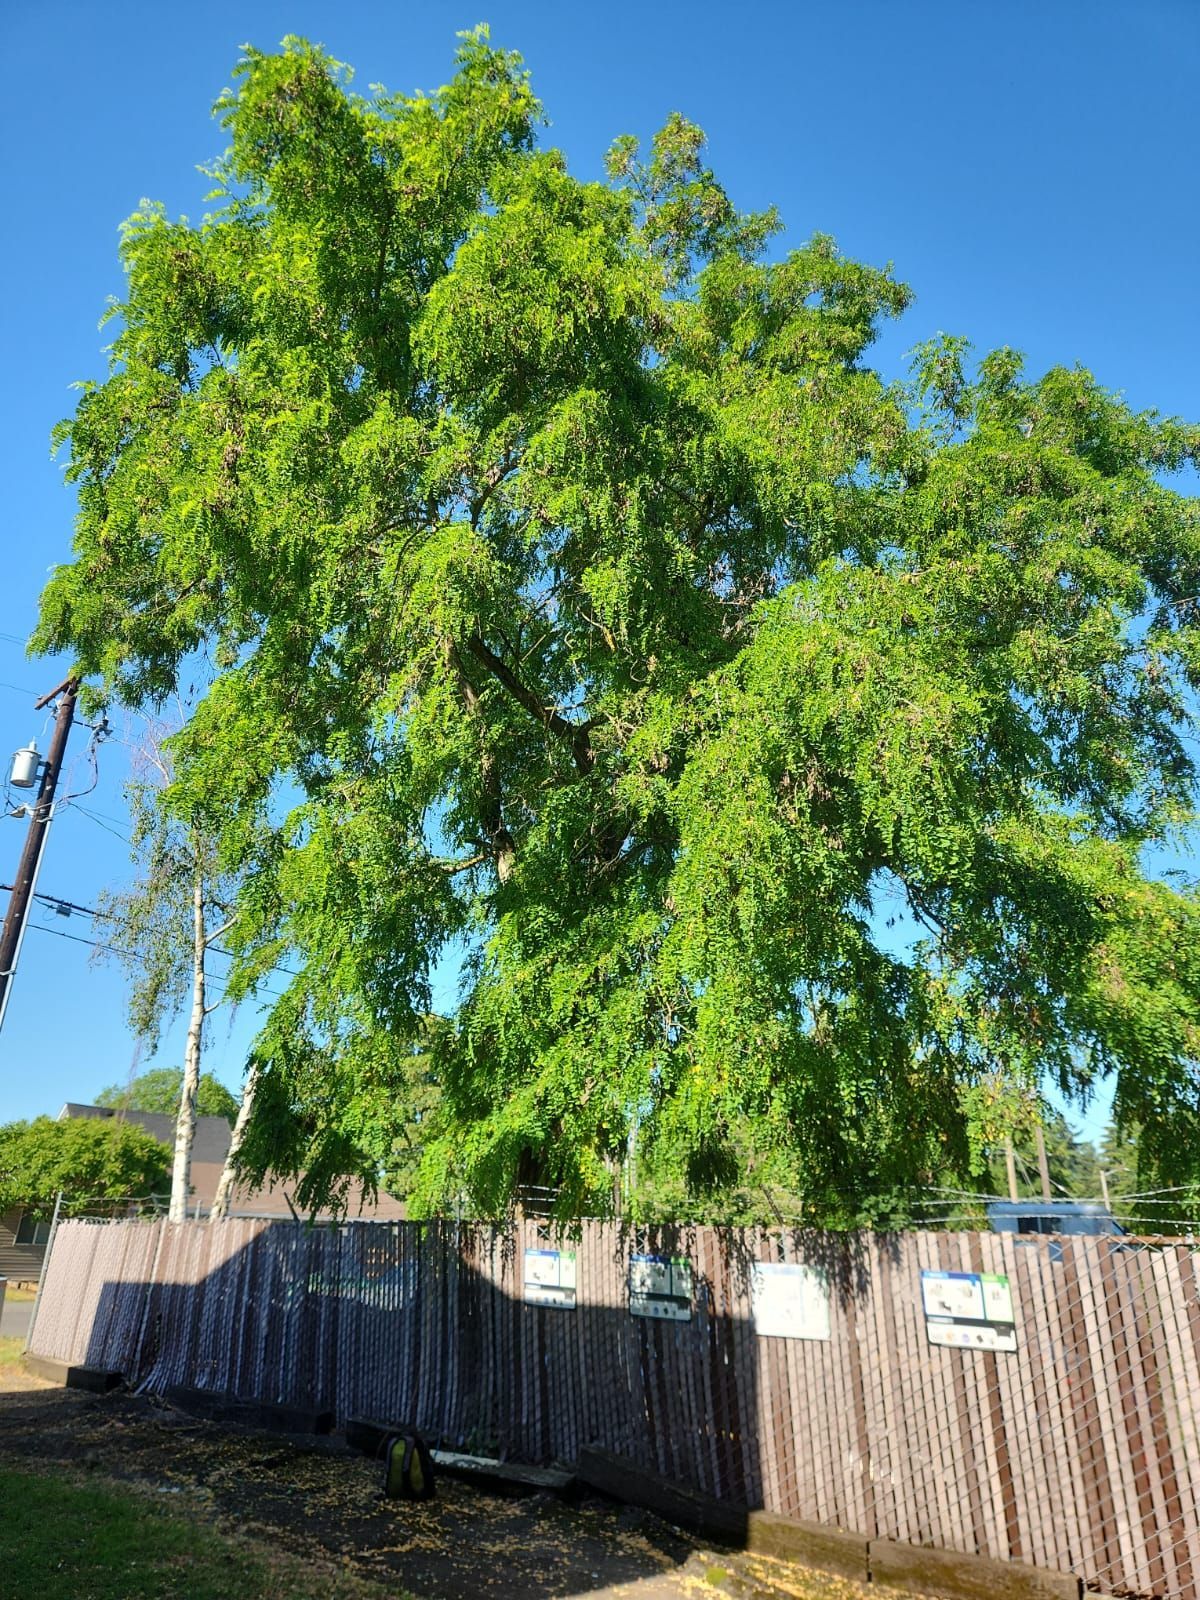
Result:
{"points": [[224, 1194], [164, 929]]}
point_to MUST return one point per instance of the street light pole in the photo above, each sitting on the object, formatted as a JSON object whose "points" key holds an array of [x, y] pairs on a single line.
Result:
{"points": [[13, 934]]}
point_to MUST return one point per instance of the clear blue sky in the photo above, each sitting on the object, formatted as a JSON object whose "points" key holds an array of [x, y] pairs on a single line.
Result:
{"points": [[1029, 167]]}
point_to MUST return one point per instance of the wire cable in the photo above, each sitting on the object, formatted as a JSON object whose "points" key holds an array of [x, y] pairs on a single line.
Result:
{"points": [[58, 902], [94, 816], [117, 950]]}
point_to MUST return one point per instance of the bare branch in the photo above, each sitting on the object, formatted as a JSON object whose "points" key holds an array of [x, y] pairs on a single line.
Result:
{"points": [[574, 733], [451, 867], [211, 938]]}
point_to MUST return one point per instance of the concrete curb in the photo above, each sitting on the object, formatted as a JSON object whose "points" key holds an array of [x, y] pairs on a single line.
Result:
{"points": [[949, 1574], [96, 1380], [810, 1544], [954, 1576]]}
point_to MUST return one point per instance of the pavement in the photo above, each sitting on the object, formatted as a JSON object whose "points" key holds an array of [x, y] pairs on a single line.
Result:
{"points": [[14, 1320]]}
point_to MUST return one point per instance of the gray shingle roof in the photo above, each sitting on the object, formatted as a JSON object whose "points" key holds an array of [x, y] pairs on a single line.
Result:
{"points": [[212, 1133]]}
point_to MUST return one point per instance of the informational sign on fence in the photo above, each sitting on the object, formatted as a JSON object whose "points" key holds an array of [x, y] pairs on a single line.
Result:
{"points": [[789, 1300], [969, 1310], [661, 1286], [550, 1278]]}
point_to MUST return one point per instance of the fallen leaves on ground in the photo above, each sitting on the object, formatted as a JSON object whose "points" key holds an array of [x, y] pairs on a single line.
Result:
{"points": [[314, 1501]]}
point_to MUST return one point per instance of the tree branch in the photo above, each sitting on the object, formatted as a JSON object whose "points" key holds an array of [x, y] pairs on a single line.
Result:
{"points": [[573, 733], [211, 938], [492, 479], [451, 867], [500, 840]]}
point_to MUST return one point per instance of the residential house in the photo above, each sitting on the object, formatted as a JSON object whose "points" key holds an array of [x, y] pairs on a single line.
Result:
{"points": [[23, 1238]]}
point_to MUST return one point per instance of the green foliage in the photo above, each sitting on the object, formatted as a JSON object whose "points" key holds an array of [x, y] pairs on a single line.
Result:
{"points": [[153, 920], [1119, 1156], [159, 1090], [88, 1158], [574, 589], [1074, 1164], [113, 1540]]}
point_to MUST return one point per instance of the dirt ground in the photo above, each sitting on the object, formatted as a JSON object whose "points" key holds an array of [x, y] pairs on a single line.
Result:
{"points": [[318, 1501], [325, 1501]]}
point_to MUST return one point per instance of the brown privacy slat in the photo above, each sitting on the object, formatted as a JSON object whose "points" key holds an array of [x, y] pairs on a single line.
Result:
{"points": [[879, 1409], [989, 1427], [893, 1293], [1041, 1405], [1109, 1519], [911, 1489], [707, 1321], [1147, 1401], [1043, 1410], [1178, 1292], [806, 1448], [1177, 1421], [988, 1423], [857, 1418], [1156, 1405], [896, 1269], [919, 1252], [1006, 1401], [976, 1533], [1080, 1452], [940, 1368], [1110, 1347]]}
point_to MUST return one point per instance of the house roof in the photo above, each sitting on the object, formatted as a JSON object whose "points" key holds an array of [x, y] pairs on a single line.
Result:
{"points": [[211, 1143], [209, 1150]]}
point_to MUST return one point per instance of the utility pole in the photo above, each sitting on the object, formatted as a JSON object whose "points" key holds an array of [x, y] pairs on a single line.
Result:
{"points": [[1043, 1164], [13, 934], [1010, 1166]]}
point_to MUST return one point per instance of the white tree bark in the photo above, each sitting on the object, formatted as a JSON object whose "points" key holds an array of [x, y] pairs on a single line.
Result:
{"points": [[185, 1124], [220, 1205]]}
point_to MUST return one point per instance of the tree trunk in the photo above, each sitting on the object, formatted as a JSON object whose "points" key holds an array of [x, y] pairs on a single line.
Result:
{"points": [[185, 1125], [220, 1205]]}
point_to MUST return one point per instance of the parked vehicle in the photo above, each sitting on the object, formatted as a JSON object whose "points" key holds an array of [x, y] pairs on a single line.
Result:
{"points": [[1052, 1216]]}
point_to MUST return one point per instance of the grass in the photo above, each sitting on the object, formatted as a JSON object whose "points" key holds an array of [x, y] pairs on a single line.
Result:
{"points": [[14, 1376], [71, 1540], [15, 1296], [10, 1352]]}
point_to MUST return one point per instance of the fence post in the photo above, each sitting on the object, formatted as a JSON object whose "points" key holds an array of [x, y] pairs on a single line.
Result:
{"points": [[37, 1299]]}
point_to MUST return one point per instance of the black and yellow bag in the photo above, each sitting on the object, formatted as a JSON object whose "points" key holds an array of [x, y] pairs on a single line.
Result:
{"points": [[409, 1474]]}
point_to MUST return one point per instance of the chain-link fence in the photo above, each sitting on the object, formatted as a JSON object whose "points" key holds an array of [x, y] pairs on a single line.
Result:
{"points": [[1024, 1397]]}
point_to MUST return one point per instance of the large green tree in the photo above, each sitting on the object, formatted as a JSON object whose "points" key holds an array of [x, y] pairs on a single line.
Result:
{"points": [[159, 1090], [90, 1160], [566, 583]]}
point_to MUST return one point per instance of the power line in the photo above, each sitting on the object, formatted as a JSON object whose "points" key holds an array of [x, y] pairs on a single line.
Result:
{"points": [[117, 950], [105, 815], [58, 902], [94, 816], [77, 938]]}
